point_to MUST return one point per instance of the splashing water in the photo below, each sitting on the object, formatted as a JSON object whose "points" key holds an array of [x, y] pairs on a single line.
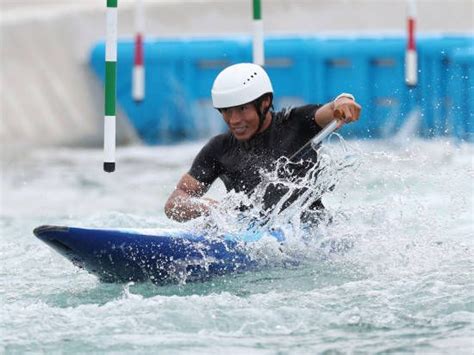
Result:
{"points": [[303, 240], [404, 285]]}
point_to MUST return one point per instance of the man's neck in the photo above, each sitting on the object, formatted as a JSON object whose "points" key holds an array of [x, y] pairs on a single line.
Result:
{"points": [[266, 122]]}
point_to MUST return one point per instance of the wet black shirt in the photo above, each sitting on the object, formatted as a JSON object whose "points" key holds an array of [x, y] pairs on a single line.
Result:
{"points": [[239, 163]]}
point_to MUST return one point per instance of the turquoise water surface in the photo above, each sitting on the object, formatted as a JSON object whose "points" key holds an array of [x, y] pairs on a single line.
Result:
{"points": [[406, 285]]}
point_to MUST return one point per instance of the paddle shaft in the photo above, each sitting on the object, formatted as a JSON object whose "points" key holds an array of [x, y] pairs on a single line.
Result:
{"points": [[304, 150], [308, 148]]}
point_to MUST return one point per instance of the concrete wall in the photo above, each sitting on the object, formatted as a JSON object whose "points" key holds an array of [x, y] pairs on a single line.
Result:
{"points": [[49, 96]]}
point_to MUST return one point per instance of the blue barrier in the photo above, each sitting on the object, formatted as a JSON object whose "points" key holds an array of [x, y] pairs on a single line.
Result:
{"points": [[304, 69], [460, 93], [436, 76], [375, 76]]}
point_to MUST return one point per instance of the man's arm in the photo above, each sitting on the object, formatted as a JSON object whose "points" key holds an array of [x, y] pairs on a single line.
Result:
{"points": [[186, 201], [344, 109]]}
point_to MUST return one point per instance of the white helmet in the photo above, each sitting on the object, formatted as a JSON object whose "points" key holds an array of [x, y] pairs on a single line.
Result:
{"points": [[240, 84]]}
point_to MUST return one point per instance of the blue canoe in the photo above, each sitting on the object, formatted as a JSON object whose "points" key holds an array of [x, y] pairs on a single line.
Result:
{"points": [[161, 256]]}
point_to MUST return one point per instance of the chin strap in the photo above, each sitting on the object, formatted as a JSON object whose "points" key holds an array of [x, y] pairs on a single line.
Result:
{"points": [[261, 113]]}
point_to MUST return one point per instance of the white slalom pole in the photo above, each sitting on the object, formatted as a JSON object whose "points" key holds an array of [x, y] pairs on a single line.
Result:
{"points": [[138, 75], [411, 58], [110, 86], [257, 44]]}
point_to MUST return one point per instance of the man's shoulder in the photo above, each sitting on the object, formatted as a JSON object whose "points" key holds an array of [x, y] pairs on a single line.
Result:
{"points": [[283, 114], [294, 113], [222, 138], [220, 143]]}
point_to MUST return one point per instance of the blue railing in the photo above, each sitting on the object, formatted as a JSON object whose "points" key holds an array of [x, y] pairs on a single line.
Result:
{"points": [[180, 72]]}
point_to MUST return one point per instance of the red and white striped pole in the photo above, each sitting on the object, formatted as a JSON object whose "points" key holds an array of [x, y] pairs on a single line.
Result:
{"points": [[138, 75], [411, 58]]}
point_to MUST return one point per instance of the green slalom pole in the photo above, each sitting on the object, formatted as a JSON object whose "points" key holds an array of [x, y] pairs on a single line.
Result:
{"points": [[110, 86], [258, 55]]}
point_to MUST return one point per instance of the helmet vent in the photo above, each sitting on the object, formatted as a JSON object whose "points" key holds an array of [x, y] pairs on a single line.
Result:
{"points": [[251, 77]]}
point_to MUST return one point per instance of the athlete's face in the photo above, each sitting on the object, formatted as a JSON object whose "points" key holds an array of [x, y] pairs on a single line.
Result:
{"points": [[242, 120]]}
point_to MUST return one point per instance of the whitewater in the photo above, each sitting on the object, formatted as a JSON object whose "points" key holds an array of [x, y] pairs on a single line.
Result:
{"points": [[405, 285]]}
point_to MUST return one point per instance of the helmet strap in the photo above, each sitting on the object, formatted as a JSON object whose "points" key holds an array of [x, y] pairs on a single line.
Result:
{"points": [[262, 114]]}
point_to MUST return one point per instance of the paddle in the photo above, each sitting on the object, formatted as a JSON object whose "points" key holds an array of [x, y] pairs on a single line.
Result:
{"points": [[311, 144], [301, 155]]}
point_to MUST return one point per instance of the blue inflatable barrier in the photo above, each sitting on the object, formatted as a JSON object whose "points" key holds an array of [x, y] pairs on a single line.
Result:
{"points": [[436, 74], [375, 76], [461, 94], [303, 69]]}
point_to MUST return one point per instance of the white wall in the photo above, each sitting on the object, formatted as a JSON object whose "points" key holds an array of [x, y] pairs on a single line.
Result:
{"points": [[49, 96]]}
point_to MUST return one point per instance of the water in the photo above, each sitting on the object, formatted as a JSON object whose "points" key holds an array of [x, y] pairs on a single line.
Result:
{"points": [[406, 285]]}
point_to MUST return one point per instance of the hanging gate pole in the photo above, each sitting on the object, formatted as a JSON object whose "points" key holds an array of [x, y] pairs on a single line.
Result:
{"points": [[110, 86]]}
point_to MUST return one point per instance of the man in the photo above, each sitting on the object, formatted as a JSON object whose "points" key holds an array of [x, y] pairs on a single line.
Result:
{"points": [[257, 138]]}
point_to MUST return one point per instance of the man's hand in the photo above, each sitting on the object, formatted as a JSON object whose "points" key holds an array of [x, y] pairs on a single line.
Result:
{"points": [[186, 201], [346, 110]]}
